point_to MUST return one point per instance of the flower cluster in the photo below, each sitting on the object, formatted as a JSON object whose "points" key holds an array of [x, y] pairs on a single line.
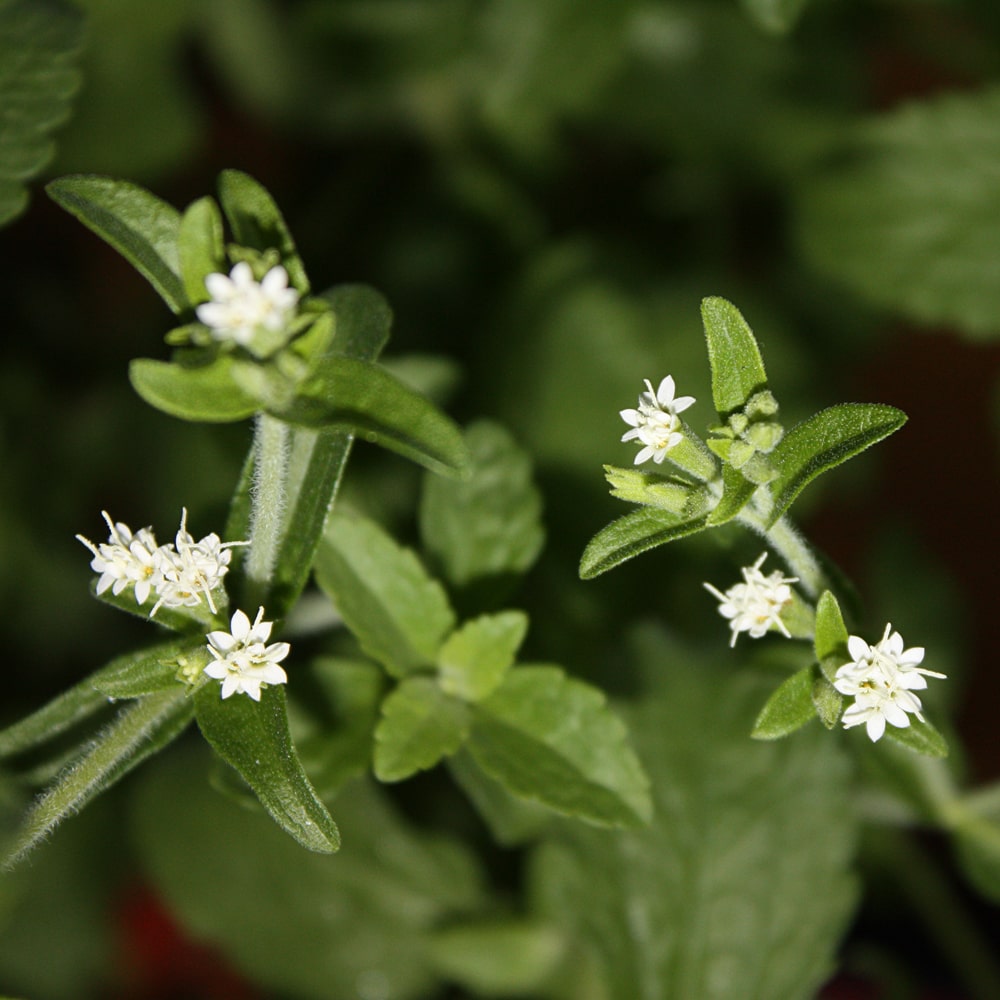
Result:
{"points": [[242, 309], [180, 574], [882, 679], [241, 658], [654, 422], [755, 605]]}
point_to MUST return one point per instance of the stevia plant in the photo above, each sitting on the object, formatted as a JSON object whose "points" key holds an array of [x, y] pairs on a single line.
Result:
{"points": [[253, 341], [750, 471]]}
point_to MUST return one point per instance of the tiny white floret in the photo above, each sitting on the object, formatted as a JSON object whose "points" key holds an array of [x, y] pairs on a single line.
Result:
{"points": [[654, 422], [240, 307], [755, 605], [124, 560], [882, 679], [242, 659]]}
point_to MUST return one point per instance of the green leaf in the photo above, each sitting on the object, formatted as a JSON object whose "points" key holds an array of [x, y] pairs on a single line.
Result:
{"points": [[141, 227], [789, 708], [39, 43], [919, 736], [831, 632], [976, 832], [253, 738], [824, 441], [632, 534], [828, 700], [334, 720], [257, 222], [775, 16], [203, 393], [489, 522], [398, 613], [736, 493], [141, 729], [499, 957], [150, 670], [553, 740], [201, 247], [908, 214], [681, 497], [737, 367], [742, 886], [420, 726], [475, 658], [365, 397], [298, 924]]}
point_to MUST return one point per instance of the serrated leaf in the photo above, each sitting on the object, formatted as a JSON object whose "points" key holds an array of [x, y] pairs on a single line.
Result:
{"points": [[141, 729], [489, 522], [742, 884], [201, 247], [39, 43], [919, 736], [398, 613], [775, 16], [203, 393], [789, 708], [420, 726], [474, 658], [909, 214], [554, 740], [257, 222], [736, 493], [824, 441], [737, 367], [349, 392], [254, 893], [148, 670], [631, 535], [141, 227], [253, 738]]}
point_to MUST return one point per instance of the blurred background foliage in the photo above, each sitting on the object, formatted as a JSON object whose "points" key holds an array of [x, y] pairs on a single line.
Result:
{"points": [[544, 190]]}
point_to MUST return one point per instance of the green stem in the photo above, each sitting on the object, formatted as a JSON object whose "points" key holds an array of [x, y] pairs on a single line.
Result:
{"points": [[268, 502], [785, 539]]}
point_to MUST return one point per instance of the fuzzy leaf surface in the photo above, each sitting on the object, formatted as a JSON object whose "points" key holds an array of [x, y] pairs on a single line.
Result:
{"points": [[824, 441], [909, 218], [475, 658], [141, 227], [489, 522], [201, 247], [141, 729], [206, 393], [364, 397], [737, 367], [399, 614], [39, 42], [919, 736], [552, 739], [741, 886], [145, 671], [253, 738], [789, 708], [257, 222], [631, 535], [736, 493], [420, 726]]}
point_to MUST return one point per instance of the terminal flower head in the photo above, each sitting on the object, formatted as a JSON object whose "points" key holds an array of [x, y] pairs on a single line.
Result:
{"points": [[243, 660], [243, 310], [654, 422], [755, 605], [881, 679]]}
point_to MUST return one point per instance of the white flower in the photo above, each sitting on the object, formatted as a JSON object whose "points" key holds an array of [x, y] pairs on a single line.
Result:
{"points": [[124, 560], [655, 422], [755, 605], [241, 307], [242, 661], [189, 570], [882, 679]]}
